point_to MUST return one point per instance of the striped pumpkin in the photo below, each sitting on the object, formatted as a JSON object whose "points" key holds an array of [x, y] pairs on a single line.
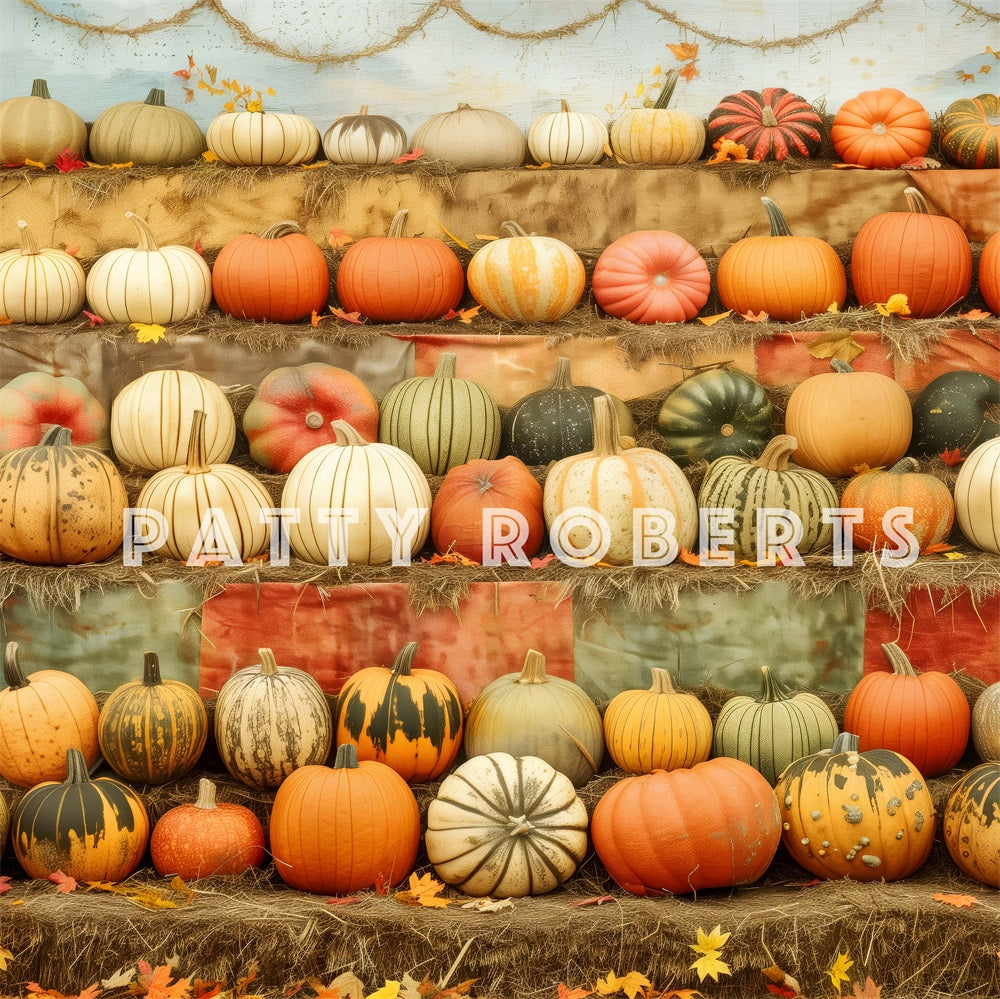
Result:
{"points": [[152, 730], [746, 485], [364, 139], [772, 123], [969, 826], [262, 138], [568, 138], [773, 730], [970, 131], [440, 420], [40, 285], [271, 720], [658, 135]]}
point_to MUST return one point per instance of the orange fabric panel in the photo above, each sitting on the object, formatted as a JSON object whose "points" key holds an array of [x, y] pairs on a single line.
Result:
{"points": [[785, 359], [963, 196], [959, 350]]}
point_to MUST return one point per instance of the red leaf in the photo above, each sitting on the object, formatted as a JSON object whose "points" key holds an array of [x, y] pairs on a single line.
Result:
{"points": [[4, 883], [95, 320], [63, 882], [781, 990], [343, 901], [67, 161], [409, 157], [596, 900], [952, 456], [541, 563]]}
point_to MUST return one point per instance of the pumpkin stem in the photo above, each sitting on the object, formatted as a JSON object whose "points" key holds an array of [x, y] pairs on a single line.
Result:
{"points": [[56, 436], [206, 795], [561, 377], [770, 689], [268, 664], [533, 670], [196, 444], [445, 367], [607, 439], [846, 742], [28, 245], [39, 88], [314, 420], [346, 434], [767, 116], [779, 227], [519, 825], [564, 106], [403, 663], [841, 367], [667, 92], [156, 98], [915, 201], [151, 670], [146, 240], [12, 672], [347, 757], [76, 767], [514, 229], [904, 466], [662, 681], [280, 229], [898, 660], [776, 454], [364, 110], [397, 227]]}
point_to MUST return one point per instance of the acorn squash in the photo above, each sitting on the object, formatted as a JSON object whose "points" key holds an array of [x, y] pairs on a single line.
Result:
{"points": [[951, 412]]}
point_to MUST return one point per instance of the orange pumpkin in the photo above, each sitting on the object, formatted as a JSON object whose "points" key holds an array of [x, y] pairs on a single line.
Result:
{"points": [[989, 272], [970, 828], [881, 129], [33, 401]]}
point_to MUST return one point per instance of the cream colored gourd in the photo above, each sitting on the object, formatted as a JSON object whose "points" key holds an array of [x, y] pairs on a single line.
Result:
{"points": [[213, 511], [657, 135], [986, 723], [472, 139], [262, 138], [505, 827], [364, 139], [363, 479], [40, 286], [37, 127], [149, 284], [977, 501], [533, 714], [151, 419], [567, 138]]}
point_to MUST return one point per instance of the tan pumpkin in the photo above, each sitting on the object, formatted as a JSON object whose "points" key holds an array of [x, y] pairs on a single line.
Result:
{"points": [[567, 138], [986, 723], [658, 135], [969, 826], [262, 138], [977, 506], [39, 128], [472, 138], [40, 285]]}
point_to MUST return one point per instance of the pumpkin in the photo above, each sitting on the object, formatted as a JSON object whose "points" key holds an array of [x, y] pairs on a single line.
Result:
{"points": [[506, 826], [986, 723], [39, 128], [151, 419], [951, 412], [715, 412], [843, 419], [212, 511], [772, 123], [898, 710], [146, 133], [40, 285], [364, 139], [867, 816], [774, 729], [384, 497], [674, 832], [567, 138], [657, 729], [879, 491], [989, 272], [970, 131], [206, 838], [556, 421], [530, 713], [925, 257], [880, 129], [280, 276], [485, 506], [658, 135], [262, 138], [269, 721], [526, 278], [969, 824], [611, 483], [651, 276], [60, 503], [4, 824], [409, 719], [42, 715], [472, 139], [90, 830], [440, 420], [152, 730], [292, 410], [977, 508], [32, 402], [788, 277], [340, 829], [398, 278]]}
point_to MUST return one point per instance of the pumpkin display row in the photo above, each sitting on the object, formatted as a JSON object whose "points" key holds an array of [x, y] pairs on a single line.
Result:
{"points": [[880, 129]]}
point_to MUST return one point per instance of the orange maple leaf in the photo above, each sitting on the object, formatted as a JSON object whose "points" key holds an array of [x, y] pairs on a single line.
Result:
{"points": [[338, 238], [958, 901], [538, 166], [937, 548], [691, 558], [159, 986], [63, 882], [867, 991], [952, 456], [465, 315], [712, 320], [689, 72], [91, 992], [683, 51], [726, 149], [751, 317], [974, 314], [450, 558], [424, 891], [410, 156], [567, 993]]}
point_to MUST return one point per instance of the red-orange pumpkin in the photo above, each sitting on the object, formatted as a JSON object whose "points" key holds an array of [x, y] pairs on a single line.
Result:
{"points": [[34, 401], [881, 129], [989, 273], [772, 123]]}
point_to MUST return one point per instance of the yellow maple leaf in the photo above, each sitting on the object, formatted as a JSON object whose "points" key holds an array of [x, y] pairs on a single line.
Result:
{"points": [[898, 305], [424, 891], [314, 166], [712, 320], [209, 157], [838, 970], [709, 946], [388, 991], [958, 901], [836, 343], [631, 984], [5, 956], [539, 166], [833, 308], [683, 51], [640, 90], [147, 332]]}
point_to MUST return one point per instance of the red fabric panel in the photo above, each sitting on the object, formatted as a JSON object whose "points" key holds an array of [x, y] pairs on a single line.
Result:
{"points": [[959, 350], [784, 359]]}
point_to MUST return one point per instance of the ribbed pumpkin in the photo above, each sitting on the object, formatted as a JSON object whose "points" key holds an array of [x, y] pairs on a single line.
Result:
{"points": [[4, 824], [843, 419], [440, 420], [714, 413], [280, 276], [950, 412], [969, 825], [922, 716], [39, 128], [657, 729], [270, 720], [526, 278], [611, 483], [408, 718], [774, 729], [989, 272], [970, 131], [567, 138], [151, 419], [977, 507], [341, 829], [60, 503], [772, 123], [149, 284], [867, 816], [32, 402], [206, 838], [651, 276], [925, 257], [364, 139], [41, 286], [506, 826], [533, 714], [903, 486], [152, 730], [42, 715], [398, 278], [91, 830], [881, 129], [788, 277], [472, 138], [772, 481], [658, 135], [384, 494], [262, 138], [986, 723], [674, 832], [146, 133], [212, 510]]}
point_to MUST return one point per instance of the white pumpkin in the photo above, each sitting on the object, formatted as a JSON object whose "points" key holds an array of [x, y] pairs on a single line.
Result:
{"points": [[262, 138], [977, 496], [472, 139], [40, 286], [567, 138], [364, 139]]}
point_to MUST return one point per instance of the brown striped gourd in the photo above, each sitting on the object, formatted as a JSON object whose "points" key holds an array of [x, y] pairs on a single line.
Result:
{"points": [[41, 286], [986, 723], [969, 825], [364, 139]]}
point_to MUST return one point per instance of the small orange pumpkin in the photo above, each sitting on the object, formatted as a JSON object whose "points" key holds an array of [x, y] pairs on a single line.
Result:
{"points": [[881, 129]]}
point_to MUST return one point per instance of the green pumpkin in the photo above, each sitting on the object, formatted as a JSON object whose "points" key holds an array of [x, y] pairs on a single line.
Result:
{"points": [[951, 413], [714, 413]]}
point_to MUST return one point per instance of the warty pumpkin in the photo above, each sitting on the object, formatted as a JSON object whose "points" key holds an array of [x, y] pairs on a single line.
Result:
{"points": [[472, 138], [658, 135], [986, 723], [969, 824], [970, 132], [773, 123], [880, 129], [364, 139], [262, 138], [38, 127], [33, 401], [567, 138], [977, 507], [40, 286]]}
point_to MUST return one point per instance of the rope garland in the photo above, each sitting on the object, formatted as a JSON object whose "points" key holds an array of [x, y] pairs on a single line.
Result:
{"points": [[973, 10]]}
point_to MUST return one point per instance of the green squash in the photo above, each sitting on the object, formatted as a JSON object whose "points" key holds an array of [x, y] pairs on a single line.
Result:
{"points": [[951, 412], [714, 413]]}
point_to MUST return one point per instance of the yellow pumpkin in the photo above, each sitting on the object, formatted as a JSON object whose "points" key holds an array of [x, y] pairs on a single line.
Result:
{"points": [[39, 128], [658, 135]]}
